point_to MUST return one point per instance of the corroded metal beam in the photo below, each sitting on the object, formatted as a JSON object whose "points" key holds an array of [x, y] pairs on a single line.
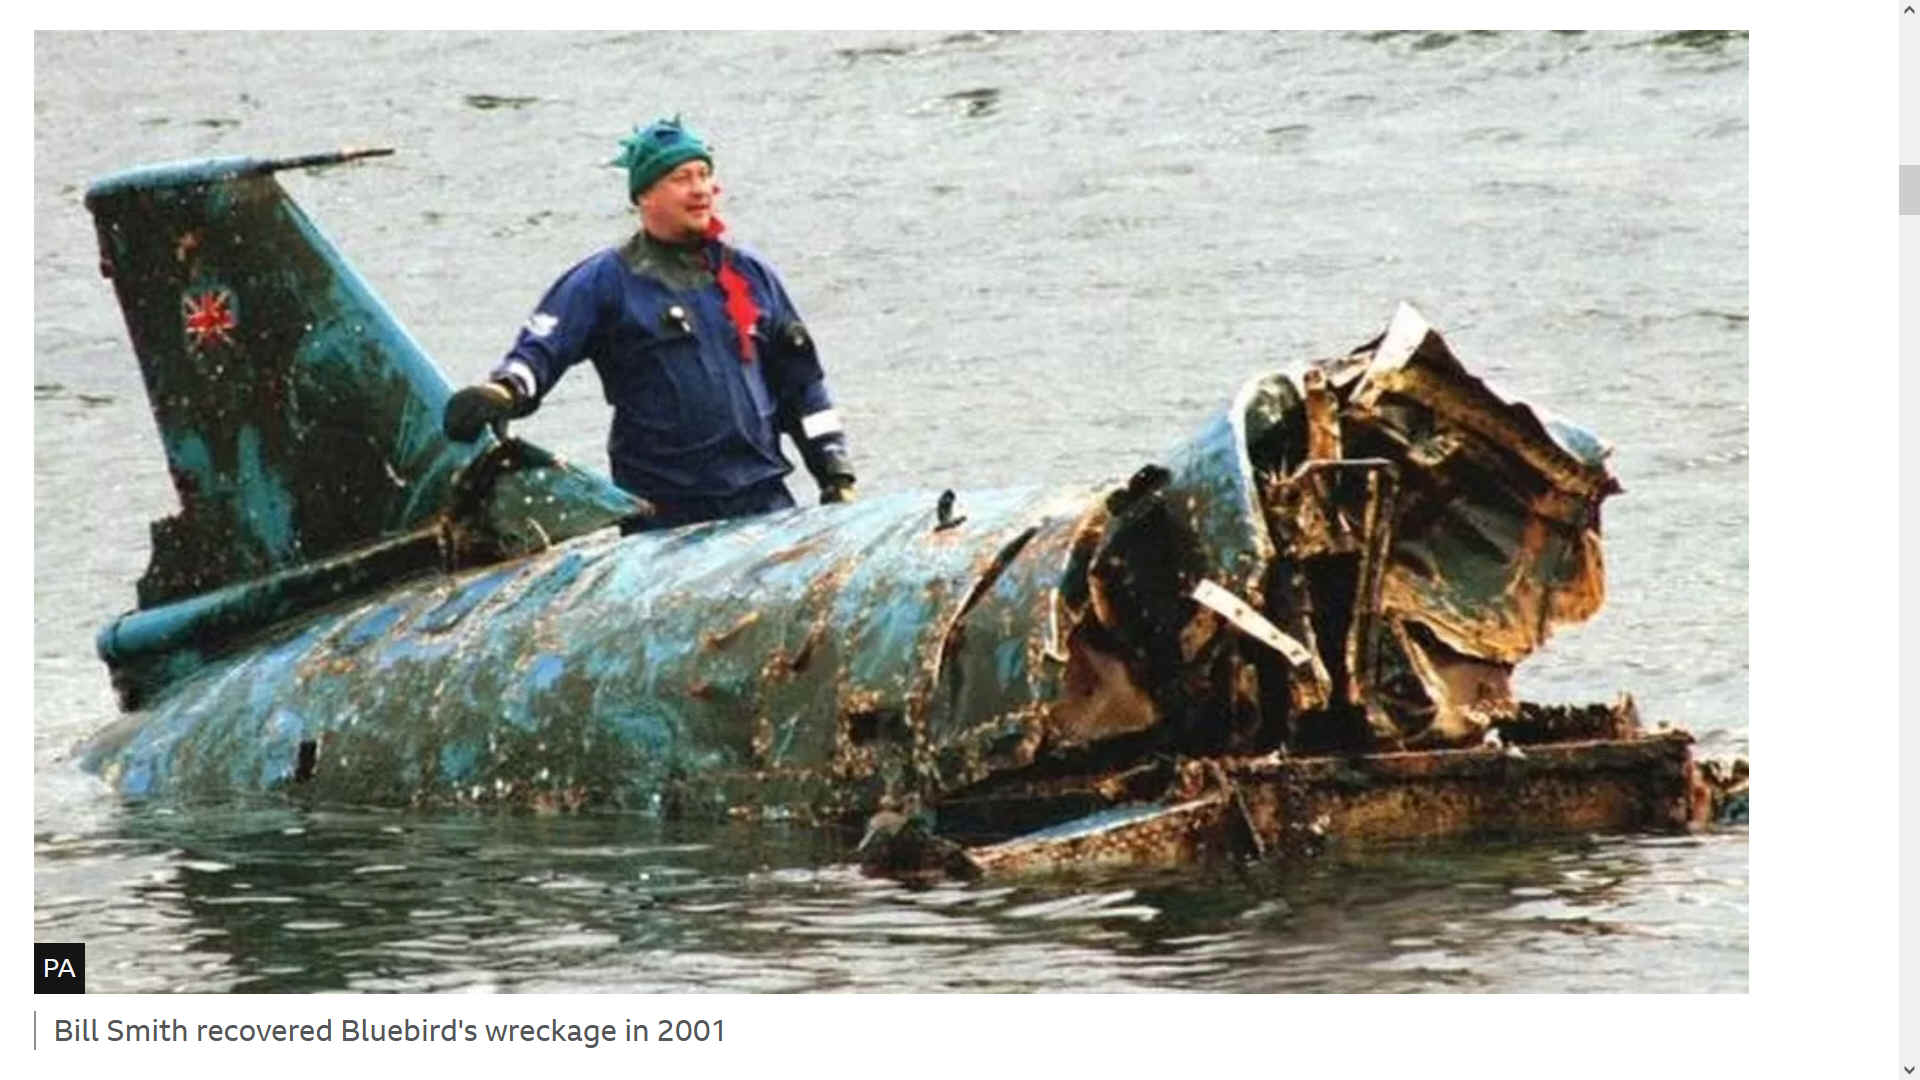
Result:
{"points": [[1291, 807]]}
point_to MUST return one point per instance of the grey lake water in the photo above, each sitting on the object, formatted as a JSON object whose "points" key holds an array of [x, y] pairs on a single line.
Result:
{"points": [[1027, 258]]}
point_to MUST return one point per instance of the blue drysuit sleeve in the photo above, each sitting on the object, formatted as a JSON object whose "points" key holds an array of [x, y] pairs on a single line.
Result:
{"points": [[805, 406], [561, 331]]}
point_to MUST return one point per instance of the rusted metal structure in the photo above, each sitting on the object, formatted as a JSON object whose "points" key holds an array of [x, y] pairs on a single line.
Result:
{"points": [[1299, 622]]}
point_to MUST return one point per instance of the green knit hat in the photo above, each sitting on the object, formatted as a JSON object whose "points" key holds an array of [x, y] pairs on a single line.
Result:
{"points": [[656, 150]]}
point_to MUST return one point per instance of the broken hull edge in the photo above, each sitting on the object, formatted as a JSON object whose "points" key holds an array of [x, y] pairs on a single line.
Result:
{"points": [[1291, 808]]}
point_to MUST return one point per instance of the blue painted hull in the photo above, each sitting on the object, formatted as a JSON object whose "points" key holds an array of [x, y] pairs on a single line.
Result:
{"points": [[349, 607], [778, 660]]}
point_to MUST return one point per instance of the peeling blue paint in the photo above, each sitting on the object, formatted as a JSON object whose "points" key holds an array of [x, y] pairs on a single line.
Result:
{"points": [[269, 506], [546, 671], [450, 622], [188, 452], [459, 763], [549, 586], [1010, 658], [470, 596], [371, 627], [136, 781]]}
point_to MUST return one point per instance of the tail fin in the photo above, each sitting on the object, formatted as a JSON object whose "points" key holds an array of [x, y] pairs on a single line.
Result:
{"points": [[299, 418], [301, 424]]}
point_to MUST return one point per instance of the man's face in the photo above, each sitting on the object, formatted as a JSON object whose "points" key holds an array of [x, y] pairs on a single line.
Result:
{"points": [[679, 205]]}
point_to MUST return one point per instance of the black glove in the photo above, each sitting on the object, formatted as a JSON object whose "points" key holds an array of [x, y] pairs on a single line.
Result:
{"points": [[470, 410], [833, 469], [836, 489]]}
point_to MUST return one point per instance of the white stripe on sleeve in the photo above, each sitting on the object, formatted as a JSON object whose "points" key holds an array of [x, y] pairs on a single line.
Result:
{"points": [[824, 422], [520, 373]]}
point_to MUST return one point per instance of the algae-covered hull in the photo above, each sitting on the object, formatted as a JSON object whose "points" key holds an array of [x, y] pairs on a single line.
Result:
{"points": [[1348, 559]]}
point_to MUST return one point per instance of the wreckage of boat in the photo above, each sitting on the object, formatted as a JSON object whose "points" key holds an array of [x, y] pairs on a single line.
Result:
{"points": [[1296, 627]]}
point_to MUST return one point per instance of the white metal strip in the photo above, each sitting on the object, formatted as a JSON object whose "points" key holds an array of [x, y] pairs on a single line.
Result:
{"points": [[1242, 615]]}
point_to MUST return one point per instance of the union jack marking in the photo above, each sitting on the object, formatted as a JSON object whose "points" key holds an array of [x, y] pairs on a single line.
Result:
{"points": [[209, 317]]}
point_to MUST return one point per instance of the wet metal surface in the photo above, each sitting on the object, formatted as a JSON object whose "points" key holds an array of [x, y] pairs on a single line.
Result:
{"points": [[1536, 249], [296, 637]]}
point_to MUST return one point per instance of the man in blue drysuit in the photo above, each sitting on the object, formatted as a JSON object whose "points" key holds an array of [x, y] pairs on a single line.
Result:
{"points": [[699, 351]]}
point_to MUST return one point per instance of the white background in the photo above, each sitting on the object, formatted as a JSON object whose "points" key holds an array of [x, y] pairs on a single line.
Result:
{"points": [[1824, 710]]}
